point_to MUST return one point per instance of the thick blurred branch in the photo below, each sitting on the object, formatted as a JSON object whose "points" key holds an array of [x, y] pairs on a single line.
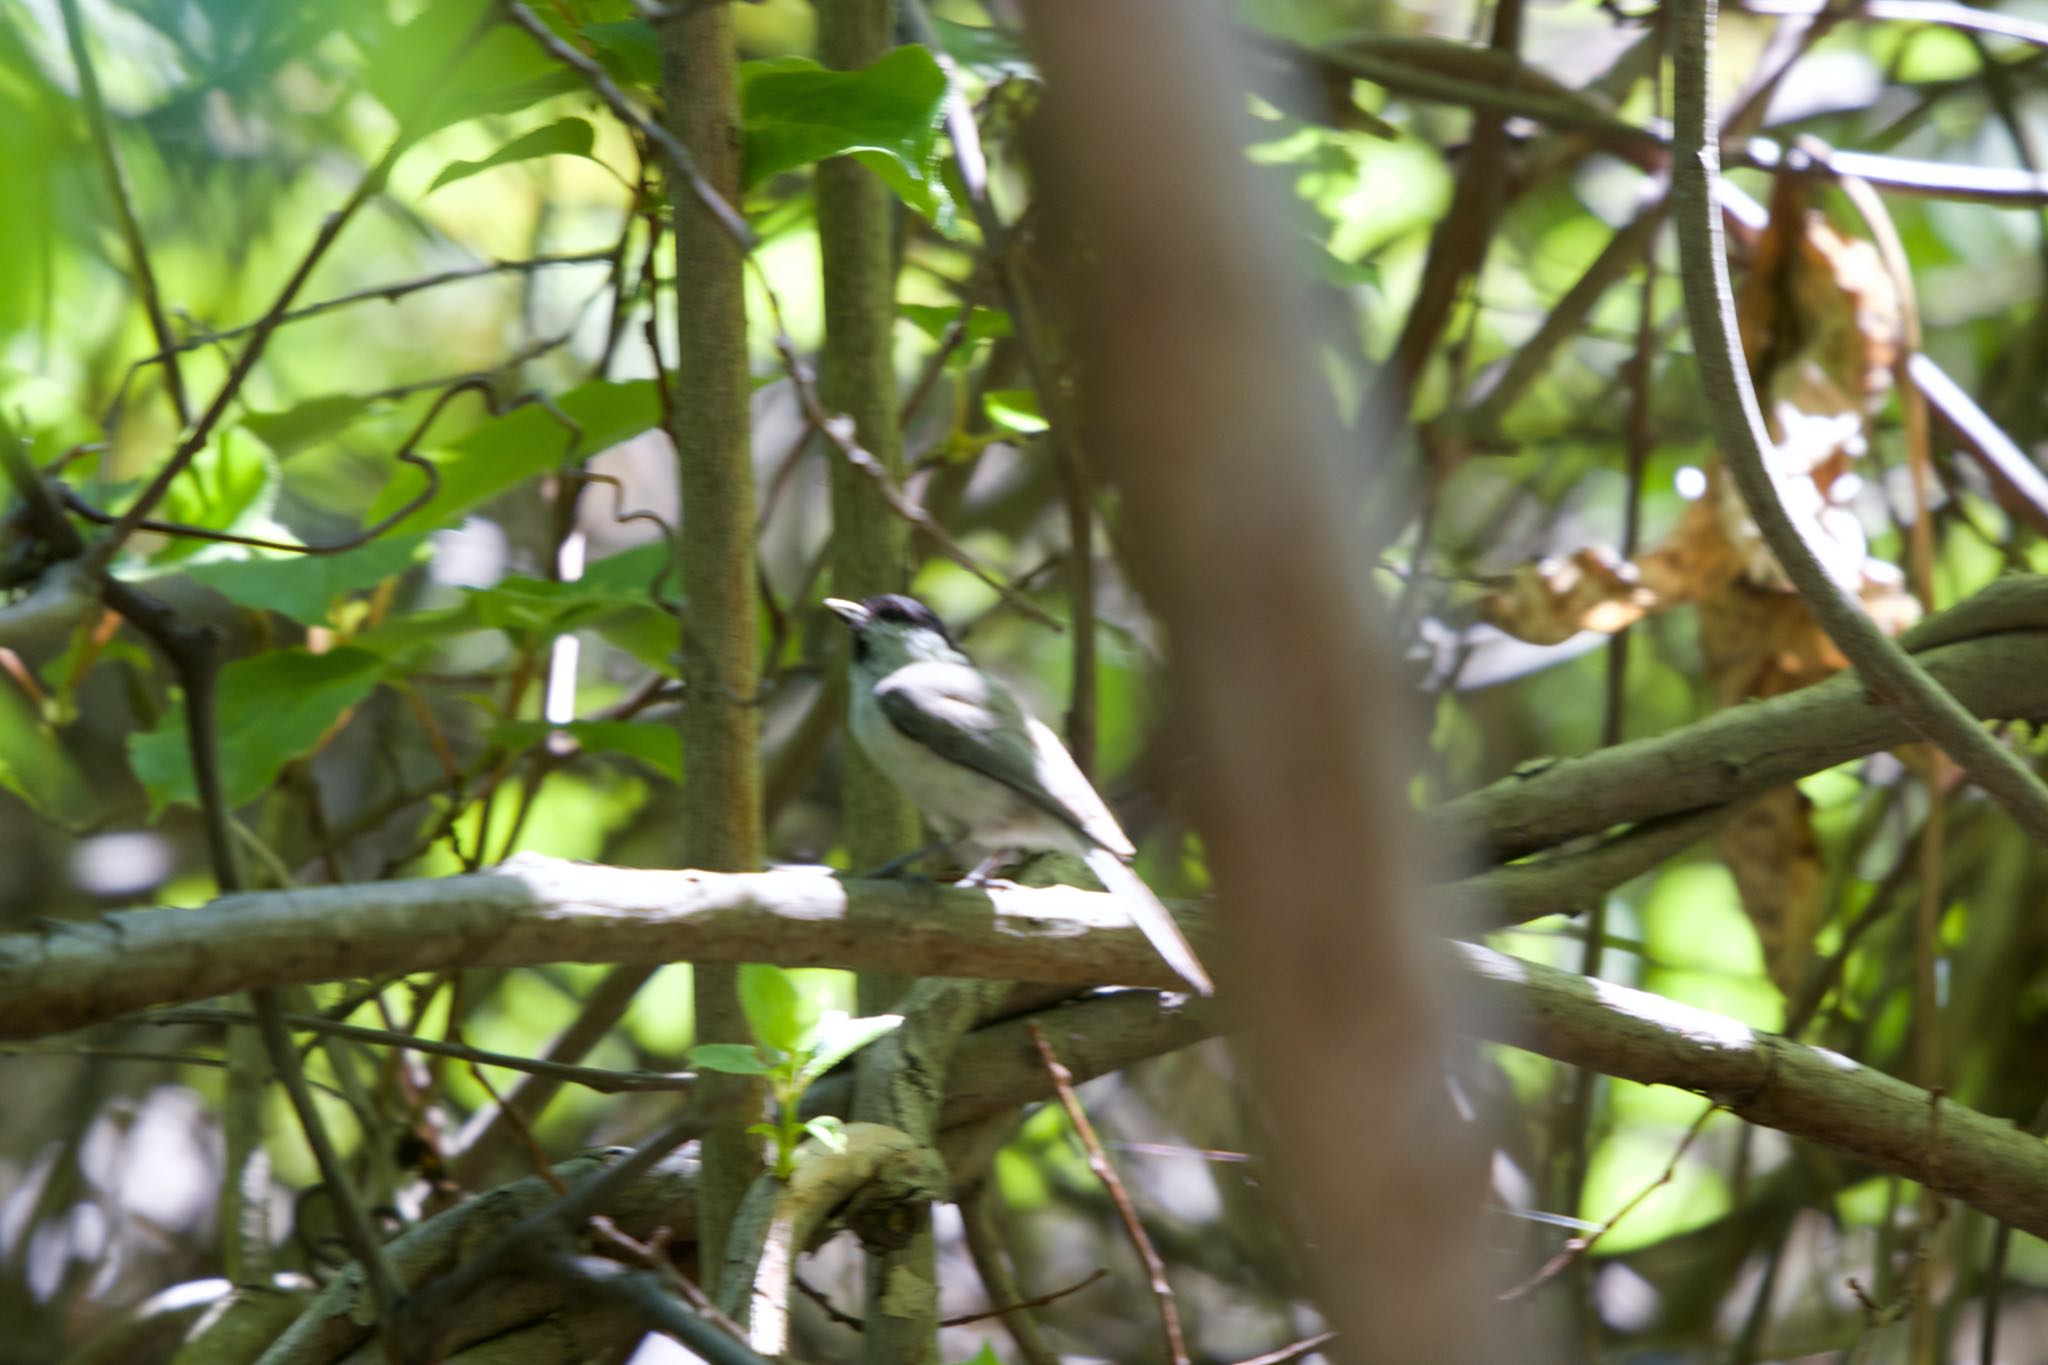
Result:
{"points": [[1883, 667], [1202, 392]]}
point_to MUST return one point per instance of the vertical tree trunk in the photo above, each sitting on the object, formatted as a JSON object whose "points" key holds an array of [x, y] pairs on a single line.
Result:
{"points": [[721, 659], [857, 376]]}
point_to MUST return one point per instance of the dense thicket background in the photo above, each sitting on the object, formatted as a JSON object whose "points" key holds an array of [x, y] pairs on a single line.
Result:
{"points": [[1476, 200]]}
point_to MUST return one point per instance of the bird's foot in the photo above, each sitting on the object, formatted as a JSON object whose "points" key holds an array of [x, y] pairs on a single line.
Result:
{"points": [[985, 869]]}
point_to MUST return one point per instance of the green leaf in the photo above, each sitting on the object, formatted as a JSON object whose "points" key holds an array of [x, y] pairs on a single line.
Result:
{"points": [[506, 451], [402, 638], [992, 52], [273, 708], [797, 112], [499, 71], [1014, 410], [828, 1131], [776, 1010], [985, 1356], [564, 137], [934, 318], [839, 1037], [305, 587], [629, 49], [230, 486], [734, 1059], [293, 429], [659, 746], [638, 571], [35, 767], [539, 609]]}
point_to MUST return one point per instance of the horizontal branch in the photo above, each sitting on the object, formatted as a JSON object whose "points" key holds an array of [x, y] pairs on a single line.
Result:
{"points": [[1808, 1092], [1452, 73], [1751, 748], [534, 910]]}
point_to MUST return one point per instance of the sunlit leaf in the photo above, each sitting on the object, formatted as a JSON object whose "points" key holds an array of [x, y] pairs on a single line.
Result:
{"points": [[273, 708], [839, 1037], [292, 429], [1014, 410], [506, 451], [797, 112], [630, 49], [443, 66], [934, 318], [734, 1059], [658, 746], [994, 52], [828, 1131], [779, 1014], [231, 485], [564, 137], [305, 587], [538, 609]]}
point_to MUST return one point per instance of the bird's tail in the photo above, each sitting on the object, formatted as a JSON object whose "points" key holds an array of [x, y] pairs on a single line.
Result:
{"points": [[1150, 916]]}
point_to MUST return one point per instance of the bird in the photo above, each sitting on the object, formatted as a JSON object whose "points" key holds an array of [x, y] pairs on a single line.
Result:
{"points": [[964, 749]]}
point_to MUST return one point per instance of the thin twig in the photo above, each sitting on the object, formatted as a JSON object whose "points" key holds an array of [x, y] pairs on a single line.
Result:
{"points": [[1966, 18], [389, 293], [836, 429], [982, 1315], [1576, 1247], [124, 207], [1098, 1162], [972, 161], [1886, 669], [992, 1262], [428, 1305], [648, 1254], [649, 1294], [680, 162], [196, 437], [603, 1080], [193, 653], [1292, 1351]]}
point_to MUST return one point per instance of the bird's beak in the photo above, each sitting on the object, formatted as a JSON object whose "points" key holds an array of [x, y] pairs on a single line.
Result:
{"points": [[853, 613]]}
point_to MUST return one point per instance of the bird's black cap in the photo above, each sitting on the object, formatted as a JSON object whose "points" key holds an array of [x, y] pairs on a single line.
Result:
{"points": [[894, 606]]}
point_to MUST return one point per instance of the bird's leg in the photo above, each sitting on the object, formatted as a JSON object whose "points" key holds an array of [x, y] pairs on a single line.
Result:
{"points": [[985, 869], [895, 867]]}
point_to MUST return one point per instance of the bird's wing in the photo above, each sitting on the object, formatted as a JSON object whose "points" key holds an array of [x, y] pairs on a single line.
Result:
{"points": [[965, 716]]}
